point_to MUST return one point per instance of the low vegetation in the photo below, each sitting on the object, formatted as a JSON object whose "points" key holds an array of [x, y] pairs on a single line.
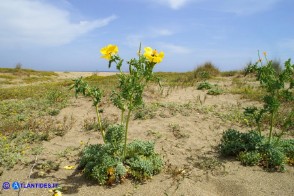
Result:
{"points": [[256, 148], [206, 71], [31, 103], [116, 159], [27, 115]]}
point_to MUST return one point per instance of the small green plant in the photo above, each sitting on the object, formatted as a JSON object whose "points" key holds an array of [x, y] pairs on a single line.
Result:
{"points": [[48, 166], [105, 163], [15, 147], [271, 152], [204, 85], [288, 148], [131, 86], [253, 149], [233, 142], [212, 89], [176, 130], [82, 87], [279, 90], [273, 157], [54, 112], [249, 158], [111, 162], [215, 91], [145, 112]]}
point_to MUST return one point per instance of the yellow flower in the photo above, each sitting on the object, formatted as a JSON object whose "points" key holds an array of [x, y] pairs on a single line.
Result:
{"points": [[153, 55], [69, 167], [264, 53], [56, 192], [108, 51]]}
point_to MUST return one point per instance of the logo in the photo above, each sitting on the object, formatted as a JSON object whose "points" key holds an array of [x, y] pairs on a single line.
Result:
{"points": [[15, 185], [6, 185]]}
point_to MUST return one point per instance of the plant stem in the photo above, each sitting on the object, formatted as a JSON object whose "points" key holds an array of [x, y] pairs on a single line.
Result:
{"points": [[122, 117], [126, 133], [271, 127], [279, 137], [100, 124]]}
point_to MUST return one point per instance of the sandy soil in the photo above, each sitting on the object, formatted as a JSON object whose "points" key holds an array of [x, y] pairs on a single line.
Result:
{"points": [[192, 166], [70, 75]]}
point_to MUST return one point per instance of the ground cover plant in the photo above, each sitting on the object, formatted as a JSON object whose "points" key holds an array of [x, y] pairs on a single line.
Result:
{"points": [[114, 160], [204, 85], [26, 117], [212, 89], [269, 149]]}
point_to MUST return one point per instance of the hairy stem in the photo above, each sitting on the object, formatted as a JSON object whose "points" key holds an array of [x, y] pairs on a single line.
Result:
{"points": [[100, 123], [122, 117], [126, 132], [271, 127]]}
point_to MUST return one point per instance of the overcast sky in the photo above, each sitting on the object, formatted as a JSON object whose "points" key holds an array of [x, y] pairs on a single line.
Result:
{"points": [[66, 35]]}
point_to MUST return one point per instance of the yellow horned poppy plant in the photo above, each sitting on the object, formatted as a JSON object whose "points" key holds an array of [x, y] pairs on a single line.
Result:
{"points": [[153, 55], [108, 51]]}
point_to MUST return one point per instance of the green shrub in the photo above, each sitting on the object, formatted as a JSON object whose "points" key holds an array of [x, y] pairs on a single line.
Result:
{"points": [[233, 142], [101, 162], [273, 157], [204, 85], [279, 93], [288, 149], [206, 71], [143, 167], [252, 149], [104, 162], [214, 91], [249, 158]]}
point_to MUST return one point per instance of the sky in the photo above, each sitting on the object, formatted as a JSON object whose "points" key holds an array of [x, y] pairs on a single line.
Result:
{"points": [[67, 35]]}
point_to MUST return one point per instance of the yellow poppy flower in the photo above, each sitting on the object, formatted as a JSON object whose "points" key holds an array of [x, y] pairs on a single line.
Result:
{"points": [[108, 51], [153, 55], [55, 192]]}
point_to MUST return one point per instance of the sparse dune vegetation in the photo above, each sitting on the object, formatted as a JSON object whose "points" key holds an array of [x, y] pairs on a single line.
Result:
{"points": [[146, 97], [193, 133]]}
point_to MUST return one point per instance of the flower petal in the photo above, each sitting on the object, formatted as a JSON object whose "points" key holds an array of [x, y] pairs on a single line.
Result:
{"points": [[69, 167], [108, 51]]}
